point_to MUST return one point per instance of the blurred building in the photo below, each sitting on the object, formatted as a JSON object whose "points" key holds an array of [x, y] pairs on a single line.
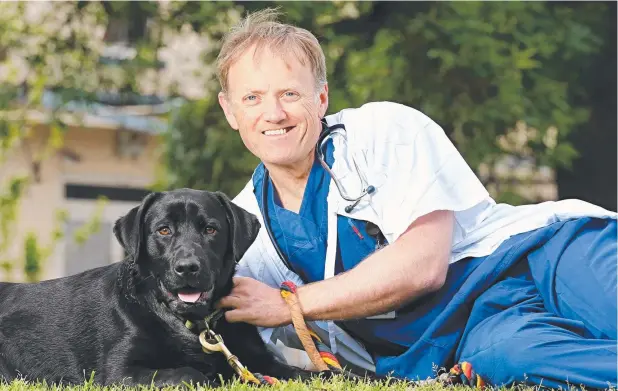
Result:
{"points": [[110, 153], [104, 168]]}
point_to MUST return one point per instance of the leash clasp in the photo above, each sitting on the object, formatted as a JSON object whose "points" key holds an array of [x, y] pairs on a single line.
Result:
{"points": [[212, 343]]}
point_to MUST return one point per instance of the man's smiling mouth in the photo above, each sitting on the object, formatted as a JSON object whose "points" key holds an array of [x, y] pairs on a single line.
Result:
{"points": [[277, 132]]}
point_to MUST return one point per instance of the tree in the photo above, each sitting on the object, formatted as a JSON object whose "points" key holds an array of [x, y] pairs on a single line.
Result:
{"points": [[594, 172], [202, 152]]}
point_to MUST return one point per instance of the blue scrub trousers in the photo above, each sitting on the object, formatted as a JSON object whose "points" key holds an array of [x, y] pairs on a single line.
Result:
{"points": [[552, 319]]}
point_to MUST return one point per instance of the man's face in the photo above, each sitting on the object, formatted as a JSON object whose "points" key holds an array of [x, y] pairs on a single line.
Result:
{"points": [[274, 105]]}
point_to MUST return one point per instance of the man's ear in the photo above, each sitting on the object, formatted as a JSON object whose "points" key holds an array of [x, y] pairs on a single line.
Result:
{"points": [[128, 228], [227, 110], [244, 226], [323, 100]]}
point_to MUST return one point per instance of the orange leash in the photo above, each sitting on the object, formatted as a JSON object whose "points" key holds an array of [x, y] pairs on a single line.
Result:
{"points": [[323, 358], [320, 355]]}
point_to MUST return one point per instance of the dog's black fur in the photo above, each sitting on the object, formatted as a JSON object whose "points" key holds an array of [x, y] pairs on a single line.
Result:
{"points": [[125, 321]]}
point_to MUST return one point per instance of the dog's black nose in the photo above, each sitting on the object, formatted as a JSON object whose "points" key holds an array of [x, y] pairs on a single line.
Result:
{"points": [[187, 267]]}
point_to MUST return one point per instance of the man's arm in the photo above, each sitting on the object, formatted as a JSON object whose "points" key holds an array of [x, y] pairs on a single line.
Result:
{"points": [[414, 265]]}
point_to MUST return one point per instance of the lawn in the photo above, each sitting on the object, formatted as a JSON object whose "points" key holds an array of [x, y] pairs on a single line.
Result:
{"points": [[331, 385], [334, 384]]}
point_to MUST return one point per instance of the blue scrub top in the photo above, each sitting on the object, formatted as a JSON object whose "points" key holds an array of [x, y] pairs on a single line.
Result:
{"points": [[302, 237]]}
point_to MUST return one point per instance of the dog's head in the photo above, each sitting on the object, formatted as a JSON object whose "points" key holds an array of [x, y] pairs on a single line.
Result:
{"points": [[187, 242]]}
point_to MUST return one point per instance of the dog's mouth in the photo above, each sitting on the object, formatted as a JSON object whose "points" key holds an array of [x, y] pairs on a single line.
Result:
{"points": [[189, 296], [186, 295]]}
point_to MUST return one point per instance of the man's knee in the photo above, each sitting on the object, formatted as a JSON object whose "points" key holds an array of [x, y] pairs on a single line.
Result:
{"points": [[511, 347], [542, 350], [503, 363], [499, 331]]}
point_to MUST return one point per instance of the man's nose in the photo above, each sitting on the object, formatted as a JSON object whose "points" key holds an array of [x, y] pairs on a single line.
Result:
{"points": [[273, 111], [187, 267]]}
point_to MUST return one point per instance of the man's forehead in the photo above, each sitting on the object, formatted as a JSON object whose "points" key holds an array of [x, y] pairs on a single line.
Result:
{"points": [[258, 54], [266, 86], [254, 70]]}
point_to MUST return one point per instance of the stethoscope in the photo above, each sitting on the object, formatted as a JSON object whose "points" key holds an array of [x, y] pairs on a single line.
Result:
{"points": [[327, 132]]}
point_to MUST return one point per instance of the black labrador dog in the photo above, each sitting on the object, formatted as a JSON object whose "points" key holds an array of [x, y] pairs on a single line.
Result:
{"points": [[126, 322]]}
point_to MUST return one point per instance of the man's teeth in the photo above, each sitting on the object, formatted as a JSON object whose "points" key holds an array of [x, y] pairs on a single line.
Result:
{"points": [[275, 132]]}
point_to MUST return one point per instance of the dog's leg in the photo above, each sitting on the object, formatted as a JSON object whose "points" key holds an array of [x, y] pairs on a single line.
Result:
{"points": [[135, 376], [5, 374]]}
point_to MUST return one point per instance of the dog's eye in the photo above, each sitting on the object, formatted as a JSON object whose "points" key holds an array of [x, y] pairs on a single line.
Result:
{"points": [[164, 231], [210, 230]]}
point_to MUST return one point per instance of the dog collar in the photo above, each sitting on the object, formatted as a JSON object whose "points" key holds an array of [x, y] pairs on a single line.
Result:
{"points": [[209, 321]]}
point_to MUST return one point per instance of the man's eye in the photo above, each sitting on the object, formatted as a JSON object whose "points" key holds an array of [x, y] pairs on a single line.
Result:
{"points": [[291, 96], [164, 231], [251, 98], [210, 230]]}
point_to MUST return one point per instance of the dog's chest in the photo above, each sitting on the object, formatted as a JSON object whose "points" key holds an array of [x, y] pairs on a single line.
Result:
{"points": [[182, 350]]}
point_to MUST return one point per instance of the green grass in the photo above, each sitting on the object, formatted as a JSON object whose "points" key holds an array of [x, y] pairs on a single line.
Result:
{"points": [[317, 384], [336, 384]]}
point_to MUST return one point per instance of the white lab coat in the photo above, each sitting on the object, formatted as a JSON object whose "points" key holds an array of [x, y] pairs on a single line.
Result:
{"points": [[416, 170]]}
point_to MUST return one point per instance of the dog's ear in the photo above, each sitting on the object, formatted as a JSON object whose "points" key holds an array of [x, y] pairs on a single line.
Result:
{"points": [[128, 228], [244, 226]]}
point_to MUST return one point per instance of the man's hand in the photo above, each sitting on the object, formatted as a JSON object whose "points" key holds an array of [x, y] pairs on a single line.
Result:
{"points": [[255, 303], [414, 265]]}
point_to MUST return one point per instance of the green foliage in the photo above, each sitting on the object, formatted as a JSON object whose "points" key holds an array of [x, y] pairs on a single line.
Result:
{"points": [[9, 202], [93, 225], [475, 67], [202, 152], [32, 256]]}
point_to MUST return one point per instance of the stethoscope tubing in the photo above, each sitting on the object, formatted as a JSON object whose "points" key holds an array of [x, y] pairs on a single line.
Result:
{"points": [[326, 133]]}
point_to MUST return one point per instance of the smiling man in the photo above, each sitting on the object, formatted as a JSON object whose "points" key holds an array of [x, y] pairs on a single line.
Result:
{"points": [[404, 261], [284, 137]]}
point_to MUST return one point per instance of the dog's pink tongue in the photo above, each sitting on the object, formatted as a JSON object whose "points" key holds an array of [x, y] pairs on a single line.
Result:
{"points": [[189, 297]]}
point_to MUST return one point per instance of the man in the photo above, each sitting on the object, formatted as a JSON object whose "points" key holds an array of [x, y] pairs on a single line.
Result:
{"points": [[423, 270]]}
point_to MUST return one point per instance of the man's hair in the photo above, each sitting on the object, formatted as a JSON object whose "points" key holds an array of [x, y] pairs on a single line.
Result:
{"points": [[263, 30]]}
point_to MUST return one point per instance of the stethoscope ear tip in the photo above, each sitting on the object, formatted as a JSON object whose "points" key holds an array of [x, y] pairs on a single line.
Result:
{"points": [[369, 190]]}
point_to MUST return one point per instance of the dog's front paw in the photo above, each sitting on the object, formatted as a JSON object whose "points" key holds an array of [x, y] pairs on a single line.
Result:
{"points": [[175, 377], [185, 375], [345, 374]]}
